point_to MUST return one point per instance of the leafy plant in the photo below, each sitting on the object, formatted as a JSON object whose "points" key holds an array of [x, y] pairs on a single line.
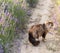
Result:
{"points": [[15, 21], [7, 33], [21, 16]]}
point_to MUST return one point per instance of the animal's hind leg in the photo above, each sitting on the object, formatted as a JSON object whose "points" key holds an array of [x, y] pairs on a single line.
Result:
{"points": [[37, 38]]}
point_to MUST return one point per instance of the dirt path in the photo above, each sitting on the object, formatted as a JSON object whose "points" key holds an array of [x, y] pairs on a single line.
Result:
{"points": [[40, 15]]}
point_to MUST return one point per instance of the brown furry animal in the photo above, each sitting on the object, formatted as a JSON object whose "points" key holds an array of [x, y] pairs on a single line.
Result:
{"points": [[39, 30]]}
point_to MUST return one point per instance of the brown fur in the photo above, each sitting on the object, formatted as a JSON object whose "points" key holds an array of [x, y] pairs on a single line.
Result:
{"points": [[36, 31]]}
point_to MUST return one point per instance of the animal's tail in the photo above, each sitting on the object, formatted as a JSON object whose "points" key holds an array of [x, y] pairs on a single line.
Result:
{"points": [[32, 40]]}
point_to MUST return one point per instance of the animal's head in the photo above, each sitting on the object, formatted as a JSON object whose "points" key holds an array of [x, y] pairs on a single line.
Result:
{"points": [[49, 25]]}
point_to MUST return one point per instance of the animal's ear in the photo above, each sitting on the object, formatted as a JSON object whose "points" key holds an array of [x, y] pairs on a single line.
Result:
{"points": [[44, 25], [49, 23]]}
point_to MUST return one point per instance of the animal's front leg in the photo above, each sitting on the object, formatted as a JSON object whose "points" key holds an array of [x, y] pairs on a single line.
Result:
{"points": [[43, 37]]}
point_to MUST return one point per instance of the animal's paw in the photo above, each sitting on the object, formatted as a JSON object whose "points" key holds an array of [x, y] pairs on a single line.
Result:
{"points": [[44, 40]]}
